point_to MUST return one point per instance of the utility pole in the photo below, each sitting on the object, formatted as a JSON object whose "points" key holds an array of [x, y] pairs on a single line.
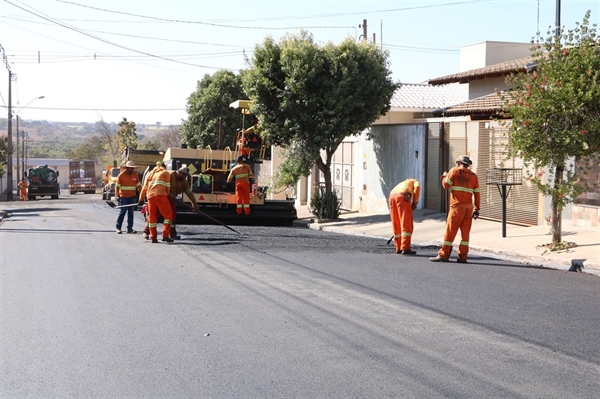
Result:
{"points": [[557, 32], [9, 171], [17, 162], [364, 28]]}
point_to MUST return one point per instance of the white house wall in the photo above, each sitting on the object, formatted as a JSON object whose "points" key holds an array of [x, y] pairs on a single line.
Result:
{"points": [[482, 54], [395, 153], [480, 88]]}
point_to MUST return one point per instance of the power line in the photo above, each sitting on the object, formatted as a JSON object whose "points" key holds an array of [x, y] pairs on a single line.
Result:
{"points": [[201, 22], [107, 109], [340, 14], [41, 15]]}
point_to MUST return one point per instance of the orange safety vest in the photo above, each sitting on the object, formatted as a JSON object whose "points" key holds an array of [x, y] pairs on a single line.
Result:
{"points": [[157, 183]]}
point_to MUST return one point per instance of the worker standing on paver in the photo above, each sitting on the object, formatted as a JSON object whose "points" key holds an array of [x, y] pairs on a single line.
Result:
{"points": [[157, 187], [242, 173], [403, 201], [464, 207]]}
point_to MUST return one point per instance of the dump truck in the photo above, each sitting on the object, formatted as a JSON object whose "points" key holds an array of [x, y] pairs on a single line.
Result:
{"points": [[43, 182], [109, 180], [82, 177], [142, 158]]}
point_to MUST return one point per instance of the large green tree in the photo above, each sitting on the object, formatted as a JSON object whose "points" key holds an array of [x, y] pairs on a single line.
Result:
{"points": [[208, 107], [309, 97], [555, 114]]}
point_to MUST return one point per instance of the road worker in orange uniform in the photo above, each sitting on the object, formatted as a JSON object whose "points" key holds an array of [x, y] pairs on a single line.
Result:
{"points": [[464, 206], [242, 173], [156, 188], [179, 184], [126, 189], [403, 201], [23, 189]]}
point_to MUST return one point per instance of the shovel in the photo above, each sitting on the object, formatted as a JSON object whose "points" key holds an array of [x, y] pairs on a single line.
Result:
{"points": [[211, 218], [112, 205]]}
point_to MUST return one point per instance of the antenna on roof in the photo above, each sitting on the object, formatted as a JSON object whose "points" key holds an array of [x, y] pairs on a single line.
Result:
{"points": [[538, 22]]}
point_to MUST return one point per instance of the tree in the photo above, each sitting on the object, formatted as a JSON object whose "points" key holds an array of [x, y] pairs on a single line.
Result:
{"points": [[127, 135], [308, 98], [169, 138], [207, 104], [109, 136], [92, 149], [555, 114]]}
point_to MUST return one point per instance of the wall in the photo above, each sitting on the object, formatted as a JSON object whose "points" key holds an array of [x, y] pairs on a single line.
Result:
{"points": [[480, 88], [395, 153], [480, 55]]}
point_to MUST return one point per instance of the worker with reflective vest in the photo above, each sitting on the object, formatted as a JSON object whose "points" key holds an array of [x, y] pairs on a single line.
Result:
{"points": [[242, 173], [403, 201], [126, 188], [23, 189], [179, 184], [464, 206], [156, 188]]}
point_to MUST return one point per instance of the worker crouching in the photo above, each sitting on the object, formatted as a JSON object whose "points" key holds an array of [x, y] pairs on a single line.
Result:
{"points": [[242, 173], [403, 201], [157, 188]]}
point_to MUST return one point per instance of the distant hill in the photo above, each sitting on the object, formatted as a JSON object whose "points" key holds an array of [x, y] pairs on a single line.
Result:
{"points": [[60, 137]]}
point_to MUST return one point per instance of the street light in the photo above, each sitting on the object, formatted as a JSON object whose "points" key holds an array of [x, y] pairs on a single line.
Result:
{"points": [[9, 194]]}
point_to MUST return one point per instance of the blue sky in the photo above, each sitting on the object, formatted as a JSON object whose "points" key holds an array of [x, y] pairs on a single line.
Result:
{"points": [[142, 59]]}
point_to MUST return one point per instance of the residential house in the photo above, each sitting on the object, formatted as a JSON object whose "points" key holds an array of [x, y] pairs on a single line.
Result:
{"points": [[472, 126]]}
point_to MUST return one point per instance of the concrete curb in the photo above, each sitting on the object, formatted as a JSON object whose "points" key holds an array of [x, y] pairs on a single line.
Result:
{"points": [[540, 261]]}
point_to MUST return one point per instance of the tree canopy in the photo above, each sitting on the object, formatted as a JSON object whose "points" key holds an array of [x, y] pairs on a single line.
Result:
{"points": [[555, 113], [127, 134], [207, 104], [309, 97]]}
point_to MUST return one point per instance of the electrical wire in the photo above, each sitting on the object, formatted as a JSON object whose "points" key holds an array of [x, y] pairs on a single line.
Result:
{"points": [[50, 19]]}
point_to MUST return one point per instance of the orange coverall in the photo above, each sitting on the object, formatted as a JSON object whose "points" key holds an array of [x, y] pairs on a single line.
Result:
{"points": [[23, 190], [242, 173], [464, 190], [401, 201], [156, 188]]}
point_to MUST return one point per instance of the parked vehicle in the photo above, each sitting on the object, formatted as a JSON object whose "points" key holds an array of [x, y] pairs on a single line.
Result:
{"points": [[82, 177], [43, 182], [109, 180]]}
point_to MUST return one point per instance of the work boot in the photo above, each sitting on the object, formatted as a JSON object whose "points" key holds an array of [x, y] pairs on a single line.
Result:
{"points": [[438, 259], [409, 252], [459, 260], [154, 241], [175, 237], [167, 239], [146, 236]]}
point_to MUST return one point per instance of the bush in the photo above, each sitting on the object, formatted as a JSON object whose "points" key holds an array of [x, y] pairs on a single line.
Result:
{"points": [[324, 205]]}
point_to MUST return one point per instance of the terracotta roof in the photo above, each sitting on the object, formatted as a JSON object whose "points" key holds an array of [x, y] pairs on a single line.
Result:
{"points": [[487, 105], [425, 96], [490, 71]]}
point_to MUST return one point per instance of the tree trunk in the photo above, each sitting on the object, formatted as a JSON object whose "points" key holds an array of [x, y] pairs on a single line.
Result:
{"points": [[325, 167], [556, 208]]}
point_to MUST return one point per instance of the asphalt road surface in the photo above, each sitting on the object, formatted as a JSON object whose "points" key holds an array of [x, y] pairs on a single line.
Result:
{"points": [[277, 313]]}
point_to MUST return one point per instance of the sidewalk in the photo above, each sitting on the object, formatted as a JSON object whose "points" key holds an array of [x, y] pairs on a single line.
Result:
{"points": [[486, 239]]}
